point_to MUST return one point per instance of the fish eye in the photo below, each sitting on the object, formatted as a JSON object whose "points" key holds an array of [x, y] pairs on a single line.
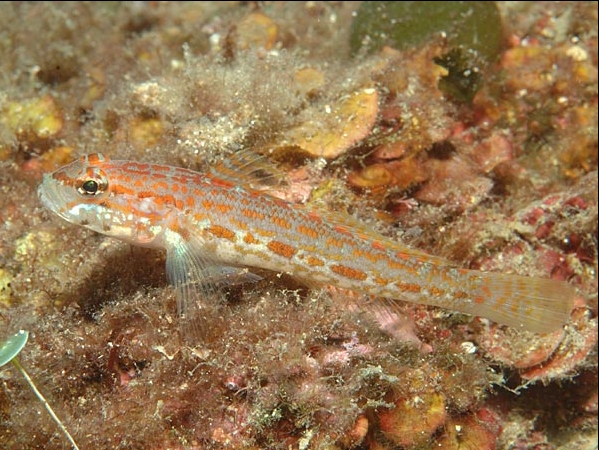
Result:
{"points": [[90, 187], [93, 184]]}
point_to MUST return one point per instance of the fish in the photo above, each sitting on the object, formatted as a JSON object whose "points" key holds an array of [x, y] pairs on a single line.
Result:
{"points": [[217, 226]]}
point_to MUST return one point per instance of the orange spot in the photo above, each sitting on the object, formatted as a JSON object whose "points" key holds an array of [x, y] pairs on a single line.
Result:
{"points": [[199, 217], [120, 189], [252, 213], [393, 264], [223, 208], [281, 249], [377, 245], [436, 291], [122, 178], [368, 255], [131, 166], [238, 224], [314, 261], [403, 256], [332, 242], [190, 201], [349, 272], [500, 302], [165, 200], [514, 307], [221, 232], [207, 204], [280, 221], [176, 227], [343, 230], [182, 179], [308, 231], [145, 194], [314, 217], [381, 281], [265, 233], [486, 290], [220, 182], [250, 239], [95, 158], [409, 287], [278, 201], [479, 300]]}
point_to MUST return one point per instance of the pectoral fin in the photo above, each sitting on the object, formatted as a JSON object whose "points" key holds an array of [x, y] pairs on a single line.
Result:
{"points": [[198, 281]]}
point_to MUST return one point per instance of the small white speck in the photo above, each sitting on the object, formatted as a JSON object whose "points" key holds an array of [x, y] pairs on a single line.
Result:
{"points": [[577, 53], [468, 347]]}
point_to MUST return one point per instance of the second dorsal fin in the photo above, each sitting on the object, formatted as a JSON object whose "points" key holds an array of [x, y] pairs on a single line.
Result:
{"points": [[248, 169]]}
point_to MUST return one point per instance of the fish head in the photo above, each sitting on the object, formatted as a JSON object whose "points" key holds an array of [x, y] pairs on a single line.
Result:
{"points": [[95, 193]]}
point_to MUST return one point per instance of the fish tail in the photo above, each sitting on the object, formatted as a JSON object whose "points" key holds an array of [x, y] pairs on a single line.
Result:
{"points": [[535, 304]]}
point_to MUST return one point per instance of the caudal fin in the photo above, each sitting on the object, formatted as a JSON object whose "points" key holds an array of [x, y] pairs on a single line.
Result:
{"points": [[535, 304]]}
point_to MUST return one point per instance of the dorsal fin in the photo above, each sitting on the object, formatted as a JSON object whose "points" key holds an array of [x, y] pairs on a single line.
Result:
{"points": [[248, 169]]}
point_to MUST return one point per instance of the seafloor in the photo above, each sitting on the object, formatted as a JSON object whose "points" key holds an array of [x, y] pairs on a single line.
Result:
{"points": [[490, 163]]}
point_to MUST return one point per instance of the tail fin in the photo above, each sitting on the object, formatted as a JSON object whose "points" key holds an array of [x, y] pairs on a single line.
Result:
{"points": [[535, 304]]}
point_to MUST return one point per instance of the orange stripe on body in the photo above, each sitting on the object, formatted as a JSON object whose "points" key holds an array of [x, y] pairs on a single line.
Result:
{"points": [[381, 281], [409, 287], [221, 232], [281, 248], [314, 261], [160, 168], [349, 272]]}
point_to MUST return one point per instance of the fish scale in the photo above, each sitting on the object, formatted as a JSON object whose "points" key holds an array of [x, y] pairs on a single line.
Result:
{"points": [[212, 226]]}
